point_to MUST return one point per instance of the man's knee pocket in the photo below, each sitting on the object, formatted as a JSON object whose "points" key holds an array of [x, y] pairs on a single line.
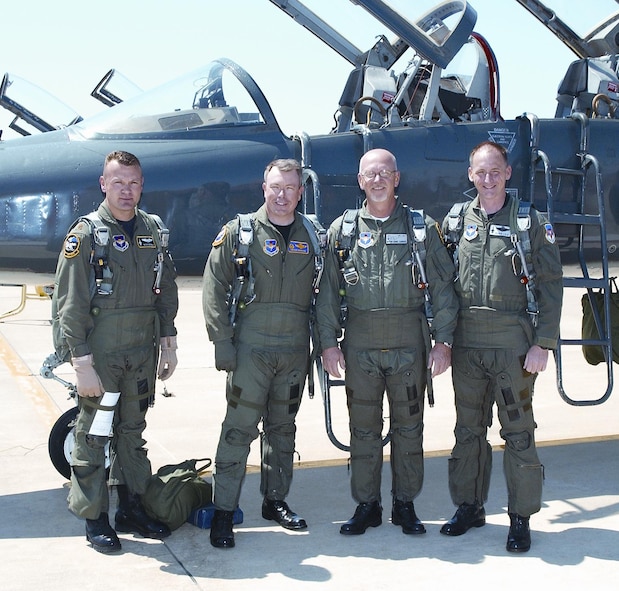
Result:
{"points": [[96, 441], [238, 437], [467, 435], [518, 441]]}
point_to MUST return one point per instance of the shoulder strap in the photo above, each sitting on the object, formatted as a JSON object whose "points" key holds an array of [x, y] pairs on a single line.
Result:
{"points": [[318, 237], [417, 236], [522, 243], [242, 266], [100, 240]]}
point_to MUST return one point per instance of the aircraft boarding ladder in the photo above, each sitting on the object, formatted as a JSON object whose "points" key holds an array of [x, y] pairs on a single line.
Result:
{"points": [[311, 193], [577, 213]]}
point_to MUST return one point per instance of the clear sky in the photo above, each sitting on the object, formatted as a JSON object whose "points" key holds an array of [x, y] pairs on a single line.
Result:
{"points": [[66, 46]]}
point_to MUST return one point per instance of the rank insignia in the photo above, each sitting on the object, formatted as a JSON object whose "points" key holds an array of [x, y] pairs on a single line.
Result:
{"points": [[120, 242], [298, 247], [71, 246], [550, 233], [470, 232], [219, 239], [366, 239], [271, 247]]}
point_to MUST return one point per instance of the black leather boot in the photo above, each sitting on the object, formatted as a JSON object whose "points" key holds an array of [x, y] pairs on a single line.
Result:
{"points": [[100, 534], [468, 515], [222, 535], [280, 511], [519, 536], [131, 517], [403, 513], [366, 515]]}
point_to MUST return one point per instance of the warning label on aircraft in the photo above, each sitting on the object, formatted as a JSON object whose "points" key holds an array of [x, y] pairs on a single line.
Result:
{"points": [[503, 137]]}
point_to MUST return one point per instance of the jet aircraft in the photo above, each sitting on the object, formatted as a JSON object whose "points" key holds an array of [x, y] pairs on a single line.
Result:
{"points": [[205, 138]]}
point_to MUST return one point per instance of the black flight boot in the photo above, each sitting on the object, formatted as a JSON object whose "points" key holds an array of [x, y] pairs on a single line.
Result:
{"points": [[280, 511], [100, 534], [403, 513], [366, 515], [519, 536], [222, 535], [468, 515], [131, 517]]}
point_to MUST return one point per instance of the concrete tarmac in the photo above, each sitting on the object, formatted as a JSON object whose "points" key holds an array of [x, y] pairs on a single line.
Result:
{"points": [[575, 537]]}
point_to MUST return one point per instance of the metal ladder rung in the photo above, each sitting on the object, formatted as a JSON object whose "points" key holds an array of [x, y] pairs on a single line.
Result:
{"points": [[568, 171], [587, 282], [596, 342], [584, 219]]}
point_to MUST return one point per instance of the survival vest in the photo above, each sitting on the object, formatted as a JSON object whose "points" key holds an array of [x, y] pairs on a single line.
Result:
{"points": [[101, 276], [417, 241], [519, 230], [243, 268]]}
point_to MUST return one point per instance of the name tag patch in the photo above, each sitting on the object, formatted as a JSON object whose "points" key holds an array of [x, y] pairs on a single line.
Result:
{"points": [[145, 241], [503, 231], [297, 247], [396, 238]]}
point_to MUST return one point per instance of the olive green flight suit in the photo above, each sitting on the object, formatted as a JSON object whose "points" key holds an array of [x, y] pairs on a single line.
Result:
{"points": [[384, 345], [122, 332], [493, 335], [271, 337]]}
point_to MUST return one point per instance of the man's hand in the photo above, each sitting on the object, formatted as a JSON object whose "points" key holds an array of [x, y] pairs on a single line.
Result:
{"points": [[536, 359], [332, 360], [167, 357], [439, 359], [88, 382], [225, 356]]}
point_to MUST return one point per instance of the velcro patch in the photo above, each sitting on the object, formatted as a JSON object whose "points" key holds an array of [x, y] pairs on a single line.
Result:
{"points": [[72, 246], [145, 242], [298, 247], [219, 239]]}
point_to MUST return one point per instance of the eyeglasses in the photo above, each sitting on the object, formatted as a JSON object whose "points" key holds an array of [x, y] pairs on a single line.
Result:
{"points": [[383, 174]]}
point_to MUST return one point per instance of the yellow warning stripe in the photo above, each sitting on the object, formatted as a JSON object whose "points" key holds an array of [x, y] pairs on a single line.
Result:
{"points": [[28, 383]]}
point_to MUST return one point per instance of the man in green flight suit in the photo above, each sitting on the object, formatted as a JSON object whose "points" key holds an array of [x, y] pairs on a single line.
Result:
{"points": [[510, 308], [264, 349], [116, 311], [386, 344]]}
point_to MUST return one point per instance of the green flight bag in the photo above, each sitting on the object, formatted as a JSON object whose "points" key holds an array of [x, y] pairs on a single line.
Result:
{"points": [[175, 491]]}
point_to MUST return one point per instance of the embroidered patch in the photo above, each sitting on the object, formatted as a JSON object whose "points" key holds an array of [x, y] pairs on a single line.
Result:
{"points": [[219, 239], [120, 242], [271, 247], [145, 242], [297, 247], [496, 230], [396, 239], [470, 232], [550, 233], [71, 246], [366, 239]]}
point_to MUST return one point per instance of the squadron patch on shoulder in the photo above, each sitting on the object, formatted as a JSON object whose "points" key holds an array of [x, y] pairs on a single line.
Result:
{"points": [[219, 239], [271, 247], [72, 246], [297, 247], [550, 233]]}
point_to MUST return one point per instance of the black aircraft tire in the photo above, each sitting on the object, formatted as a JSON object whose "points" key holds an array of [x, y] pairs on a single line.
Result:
{"points": [[62, 429]]}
